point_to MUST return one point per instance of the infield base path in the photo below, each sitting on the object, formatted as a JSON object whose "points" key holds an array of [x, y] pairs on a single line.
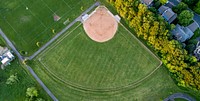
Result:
{"points": [[101, 26]]}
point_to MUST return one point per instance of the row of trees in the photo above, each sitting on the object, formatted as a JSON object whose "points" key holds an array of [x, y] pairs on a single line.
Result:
{"points": [[155, 31], [193, 4]]}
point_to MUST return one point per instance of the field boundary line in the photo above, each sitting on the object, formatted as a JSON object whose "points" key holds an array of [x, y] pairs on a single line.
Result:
{"points": [[62, 31], [58, 41], [108, 90], [138, 50], [143, 44], [34, 15], [14, 30], [47, 6], [67, 4]]}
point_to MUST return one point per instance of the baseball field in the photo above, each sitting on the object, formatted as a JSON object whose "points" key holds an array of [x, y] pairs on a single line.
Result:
{"points": [[81, 63]]}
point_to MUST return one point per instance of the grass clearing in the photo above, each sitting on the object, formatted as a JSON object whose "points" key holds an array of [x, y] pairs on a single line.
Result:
{"points": [[26, 27], [17, 91], [159, 86], [80, 61]]}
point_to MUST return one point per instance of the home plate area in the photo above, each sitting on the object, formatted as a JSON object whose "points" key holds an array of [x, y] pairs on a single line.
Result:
{"points": [[101, 25]]}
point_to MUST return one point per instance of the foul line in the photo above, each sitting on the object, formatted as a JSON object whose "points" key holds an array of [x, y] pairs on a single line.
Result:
{"points": [[108, 90]]}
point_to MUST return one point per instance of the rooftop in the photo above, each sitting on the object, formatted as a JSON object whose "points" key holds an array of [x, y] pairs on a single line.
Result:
{"points": [[167, 13]]}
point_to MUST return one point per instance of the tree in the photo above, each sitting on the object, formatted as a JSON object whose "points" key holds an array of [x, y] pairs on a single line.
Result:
{"points": [[38, 44], [190, 2], [31, 92], [185, 17], [12, 79], [163, 1], [39, 99], [180, 7], [197, 8]]}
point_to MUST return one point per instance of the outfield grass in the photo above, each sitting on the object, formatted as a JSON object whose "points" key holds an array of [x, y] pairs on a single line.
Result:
{"points": [[81, 61], [156, 88], [27, 27]]}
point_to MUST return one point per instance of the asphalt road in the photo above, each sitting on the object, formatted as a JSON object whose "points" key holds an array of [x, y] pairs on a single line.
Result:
{"points": [[63, 31], [28, 67], [11, 45], [179, 95], [21, 58], [41, 83]]}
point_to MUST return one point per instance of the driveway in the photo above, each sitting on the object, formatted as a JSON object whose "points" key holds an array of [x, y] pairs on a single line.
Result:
{"points": [[179, 95]]}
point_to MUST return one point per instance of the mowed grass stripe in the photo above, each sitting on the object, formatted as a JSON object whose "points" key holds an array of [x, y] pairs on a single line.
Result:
{"points": [[95, 65], [25, 22]]}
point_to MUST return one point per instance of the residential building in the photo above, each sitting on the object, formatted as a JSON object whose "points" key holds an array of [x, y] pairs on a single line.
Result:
{"points": [[197, 51], [182, 33], [167, 13], [6, 56], [149, 3]]}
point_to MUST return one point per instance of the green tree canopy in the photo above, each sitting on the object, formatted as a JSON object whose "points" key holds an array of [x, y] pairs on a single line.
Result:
{"points": [[12, 79], [163, 1], [185, 17], [31, 92], [197, 8], [180, 7]]}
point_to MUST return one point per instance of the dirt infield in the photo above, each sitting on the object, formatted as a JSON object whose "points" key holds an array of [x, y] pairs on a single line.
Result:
{"points": [[101, 26]]}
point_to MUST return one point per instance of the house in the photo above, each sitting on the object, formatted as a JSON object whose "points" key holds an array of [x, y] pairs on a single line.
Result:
{"points": [[172, 3], [5, 56], [182, 33], [167, 13], [148, 3], [197, 51], [193, 26]]}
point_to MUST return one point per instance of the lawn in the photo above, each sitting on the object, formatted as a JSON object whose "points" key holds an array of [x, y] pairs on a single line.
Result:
{"points": [[157, 87], [17, 91], [75, 60], [78, 60], [27, 22]]}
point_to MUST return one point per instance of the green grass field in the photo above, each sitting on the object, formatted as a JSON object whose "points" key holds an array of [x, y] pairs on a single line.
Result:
{"points": [[80, 61], [86, 64], [157, 87], [17, 91], [27, 27]]}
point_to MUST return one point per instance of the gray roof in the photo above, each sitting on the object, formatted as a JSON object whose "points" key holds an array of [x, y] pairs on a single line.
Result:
{"points": [[147, 2], [197, 51], [182, 33], [3, 50], [193, 26], [167, 13], [162, 9]]}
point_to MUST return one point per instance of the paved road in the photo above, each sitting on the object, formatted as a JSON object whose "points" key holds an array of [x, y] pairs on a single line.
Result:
{"points": [[179, 95], [63, 31], [28, 67], [21, 58], [11, 45], [41, 83]]}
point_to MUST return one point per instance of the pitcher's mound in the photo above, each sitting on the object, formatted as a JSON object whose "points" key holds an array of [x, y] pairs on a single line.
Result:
{"points": [[101, 26]]}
